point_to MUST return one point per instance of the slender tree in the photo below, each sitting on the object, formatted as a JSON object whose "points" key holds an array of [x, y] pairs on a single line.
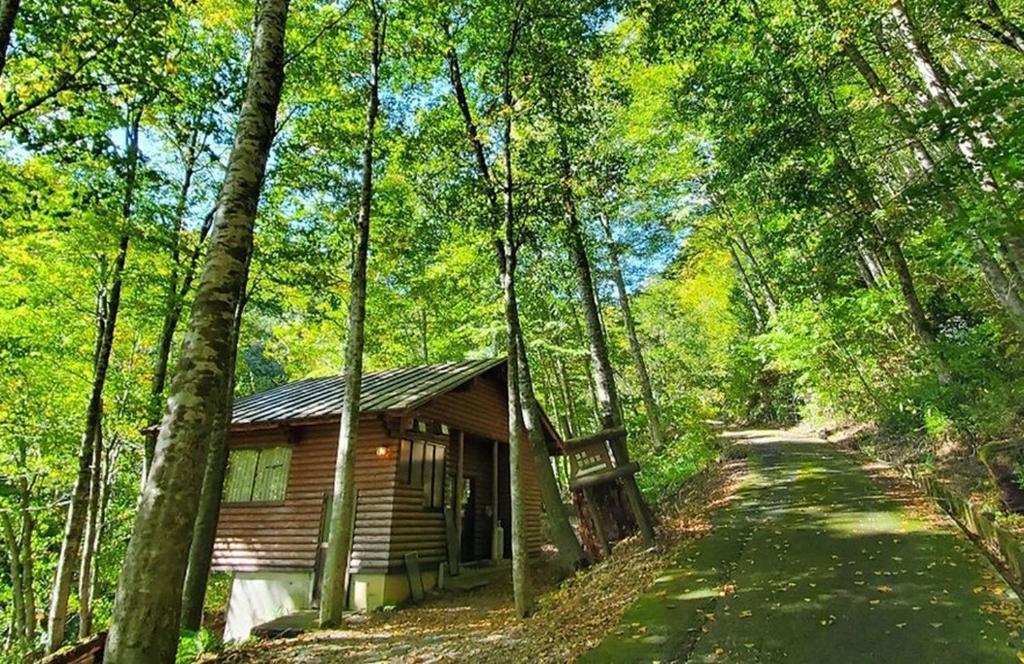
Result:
{"points": [[600, 360], [108, 308], [635, 348], [91, 538], [503, 214], [200, 552], [343, 501]]}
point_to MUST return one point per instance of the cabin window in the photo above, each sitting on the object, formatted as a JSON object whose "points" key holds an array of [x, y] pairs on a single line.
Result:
{"points": [[257, 475], [421, 464]]}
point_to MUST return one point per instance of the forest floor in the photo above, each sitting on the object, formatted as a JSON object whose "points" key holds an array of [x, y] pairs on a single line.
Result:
{"points": [[572, 616], [821, 556]]}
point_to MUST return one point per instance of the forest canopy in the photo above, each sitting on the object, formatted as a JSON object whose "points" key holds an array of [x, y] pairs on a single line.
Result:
{"points": [[786, 210]]}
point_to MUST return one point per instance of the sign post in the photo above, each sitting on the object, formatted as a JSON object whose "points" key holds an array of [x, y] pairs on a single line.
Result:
{"points": [[591, 463]]}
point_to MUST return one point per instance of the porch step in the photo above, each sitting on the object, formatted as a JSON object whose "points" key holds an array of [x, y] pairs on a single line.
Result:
{"points": [[478, 575], [287, 627]]}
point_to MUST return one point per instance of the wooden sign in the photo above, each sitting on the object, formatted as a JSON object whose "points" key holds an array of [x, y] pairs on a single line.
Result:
{"points": [[591, 461]]}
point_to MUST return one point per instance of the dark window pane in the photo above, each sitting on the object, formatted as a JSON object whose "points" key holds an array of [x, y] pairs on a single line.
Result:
{"points": [[416, 474], [404, 461], [437, 499], [428, 474]]}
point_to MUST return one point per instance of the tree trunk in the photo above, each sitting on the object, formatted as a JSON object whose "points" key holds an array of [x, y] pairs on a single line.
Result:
{"points": [[601, 366], [336, 563], [88, 566], [522, 587], [570, 553], [1009, 33], [942, 93], [567, 398], [524, 416], [13, 546], [522, 590], [8, 13], [770, 301], [75, 525], [748, 290], [146, 616], [646, 389], [28, 563], [424, 337], [200, 551], [909, 83]]}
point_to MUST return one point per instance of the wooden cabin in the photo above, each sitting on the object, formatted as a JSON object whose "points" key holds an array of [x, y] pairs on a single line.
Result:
{"points": [[432, 478]]}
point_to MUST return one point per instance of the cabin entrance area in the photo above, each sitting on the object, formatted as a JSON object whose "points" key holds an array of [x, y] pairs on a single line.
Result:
{"points": [[480, 498]]}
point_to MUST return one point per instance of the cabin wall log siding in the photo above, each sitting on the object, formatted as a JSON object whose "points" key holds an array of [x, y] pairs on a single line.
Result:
{"points": [[391, 519], [479, 408], [255, 536]]}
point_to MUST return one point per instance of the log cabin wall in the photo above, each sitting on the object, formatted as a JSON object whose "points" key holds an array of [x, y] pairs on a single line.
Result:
{"points": [[391, 519], [283, 536], [479, 407]]}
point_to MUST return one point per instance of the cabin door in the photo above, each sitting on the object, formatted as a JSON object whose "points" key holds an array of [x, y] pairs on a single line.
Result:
{"points": [[469, 525]]}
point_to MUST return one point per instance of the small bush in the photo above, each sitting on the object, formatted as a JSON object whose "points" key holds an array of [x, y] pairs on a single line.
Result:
{"points": [[193, 645]]}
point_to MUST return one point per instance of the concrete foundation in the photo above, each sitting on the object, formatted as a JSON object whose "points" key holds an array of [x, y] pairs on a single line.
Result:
{"points": [[372, 590], [258, 597]]}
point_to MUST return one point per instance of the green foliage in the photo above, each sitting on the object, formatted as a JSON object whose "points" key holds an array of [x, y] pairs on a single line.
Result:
{"points": [[747, 173], [666, 470], [192, 646]]}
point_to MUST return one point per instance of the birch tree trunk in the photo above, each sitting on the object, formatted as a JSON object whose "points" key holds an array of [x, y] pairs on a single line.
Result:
{"points": [[334, 596], [200, 552], [8, 14], [144, 626], [636, 350], [936, 80], [108, 312]]}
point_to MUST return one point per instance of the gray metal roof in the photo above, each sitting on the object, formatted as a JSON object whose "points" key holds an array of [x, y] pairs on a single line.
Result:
{"points": [[394, 389]]}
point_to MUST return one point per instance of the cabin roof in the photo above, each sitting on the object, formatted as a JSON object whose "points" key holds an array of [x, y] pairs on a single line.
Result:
{"points": [[394, 389]]}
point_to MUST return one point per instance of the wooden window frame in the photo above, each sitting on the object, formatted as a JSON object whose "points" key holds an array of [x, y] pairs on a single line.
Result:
{"points": [[255, 475], [422, 456]]}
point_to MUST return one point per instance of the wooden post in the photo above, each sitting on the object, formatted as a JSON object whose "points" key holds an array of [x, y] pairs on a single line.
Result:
{"points": [[352, 539], [595, 518], [495, 490], [412, 569], [452, 542], [459, 488]]}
